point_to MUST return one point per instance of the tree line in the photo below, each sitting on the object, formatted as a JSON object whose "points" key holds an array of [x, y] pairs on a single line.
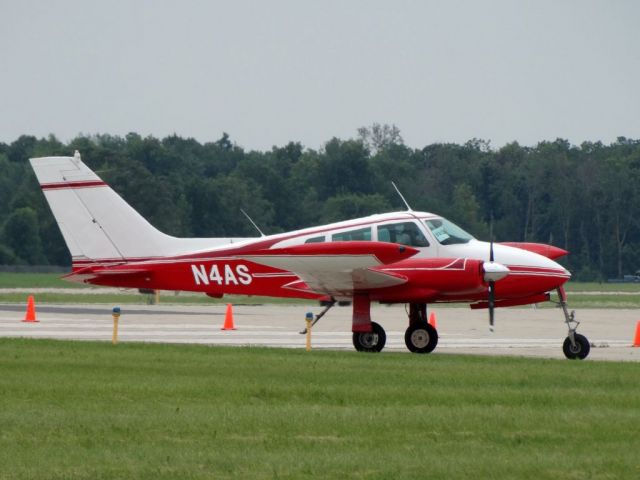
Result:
{"points": [[583, 198]]}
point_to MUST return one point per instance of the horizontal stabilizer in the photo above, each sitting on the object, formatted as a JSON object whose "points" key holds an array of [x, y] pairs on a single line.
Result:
{"points": [[94, 275]]}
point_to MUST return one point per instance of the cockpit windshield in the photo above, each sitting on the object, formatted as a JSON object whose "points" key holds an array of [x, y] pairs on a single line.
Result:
{"points": [[446, 232]]}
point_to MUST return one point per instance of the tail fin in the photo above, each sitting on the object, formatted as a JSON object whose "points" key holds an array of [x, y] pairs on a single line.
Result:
{"points": [[96, 223]]}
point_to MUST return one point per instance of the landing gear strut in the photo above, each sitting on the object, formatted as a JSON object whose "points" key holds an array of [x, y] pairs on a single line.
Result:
{"points": [[327, 307], [575, 346], [420, 337]]}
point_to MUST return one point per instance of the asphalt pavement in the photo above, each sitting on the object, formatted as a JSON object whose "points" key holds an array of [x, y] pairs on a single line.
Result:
{"points": [[526, 332]]}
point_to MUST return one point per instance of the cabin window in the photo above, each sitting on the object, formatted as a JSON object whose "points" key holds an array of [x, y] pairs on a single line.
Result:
{"points": [[405, 233], [446, 232], [362, 234], [315, 240]]}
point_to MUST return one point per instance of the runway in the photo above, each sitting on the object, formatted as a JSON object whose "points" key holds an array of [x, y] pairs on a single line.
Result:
{"points": [[519, 331]]}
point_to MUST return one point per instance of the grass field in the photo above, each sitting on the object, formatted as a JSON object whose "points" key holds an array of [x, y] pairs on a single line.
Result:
{"points": [[36, 280], [91, 410]]}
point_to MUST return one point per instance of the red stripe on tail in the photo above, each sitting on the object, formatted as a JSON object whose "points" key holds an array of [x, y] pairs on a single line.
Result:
{"points": [[78, 184]]}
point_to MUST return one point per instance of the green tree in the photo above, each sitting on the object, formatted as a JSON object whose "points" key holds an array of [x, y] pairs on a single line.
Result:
{"points": [[348, 206], [378, 137], [466, 211], [7, 257], [20, 233], [344, 168]]}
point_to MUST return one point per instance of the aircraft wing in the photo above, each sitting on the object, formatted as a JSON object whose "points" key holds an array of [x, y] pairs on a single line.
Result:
{"points": [[336, 268]]}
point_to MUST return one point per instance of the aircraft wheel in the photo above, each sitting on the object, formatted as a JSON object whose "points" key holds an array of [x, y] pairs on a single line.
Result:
{"points": [[578, 351], [421, 338], [372, 341]]}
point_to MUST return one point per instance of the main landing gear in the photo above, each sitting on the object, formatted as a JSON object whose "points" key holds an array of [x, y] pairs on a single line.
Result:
{"points": [[372, 341], [575, 346], [420, 337], [368, 336]]}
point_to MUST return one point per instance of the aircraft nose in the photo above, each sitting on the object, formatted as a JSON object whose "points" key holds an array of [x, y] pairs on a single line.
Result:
{"points": [[531, 271], [546, 263], [552, 272]]}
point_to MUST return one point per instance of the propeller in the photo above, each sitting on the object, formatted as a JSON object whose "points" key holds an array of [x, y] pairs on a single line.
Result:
{"points": [[492, 291], [493, 271]]}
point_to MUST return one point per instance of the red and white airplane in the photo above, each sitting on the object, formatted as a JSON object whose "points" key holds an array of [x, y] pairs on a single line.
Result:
{"points": [[407, 257]]}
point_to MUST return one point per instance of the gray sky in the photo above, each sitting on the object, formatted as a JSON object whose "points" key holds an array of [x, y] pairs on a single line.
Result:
{"points": [[271, 72]]}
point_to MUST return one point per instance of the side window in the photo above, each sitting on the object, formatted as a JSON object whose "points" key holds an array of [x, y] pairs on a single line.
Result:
{"points": [[362, 234], [405, 233], [315, 240]]}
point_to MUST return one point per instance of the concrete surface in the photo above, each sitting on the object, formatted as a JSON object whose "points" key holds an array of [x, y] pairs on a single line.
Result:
{"points": [[519, 331]]}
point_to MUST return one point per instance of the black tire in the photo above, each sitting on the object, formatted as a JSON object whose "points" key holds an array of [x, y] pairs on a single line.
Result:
{"points": [[579, 351], [372, 341], [421, 338]]}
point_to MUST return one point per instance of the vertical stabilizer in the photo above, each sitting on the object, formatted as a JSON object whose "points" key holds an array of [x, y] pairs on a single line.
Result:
{"points": [[95, 221], [97, 224]]}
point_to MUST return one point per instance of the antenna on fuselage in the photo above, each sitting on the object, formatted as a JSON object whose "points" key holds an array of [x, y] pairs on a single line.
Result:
{"points": [[409, 209], [253, 223]]}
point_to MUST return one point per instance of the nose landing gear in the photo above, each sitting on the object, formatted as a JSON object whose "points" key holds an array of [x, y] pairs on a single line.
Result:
{"points": [[575, 346]]}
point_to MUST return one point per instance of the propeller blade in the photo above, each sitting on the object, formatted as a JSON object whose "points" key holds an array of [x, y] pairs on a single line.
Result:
{"points": [[491, 237], [492, 304], [492, 283]]}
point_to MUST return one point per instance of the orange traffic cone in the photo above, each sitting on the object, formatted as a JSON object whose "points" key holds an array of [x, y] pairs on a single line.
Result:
{"points": [[636, 340], [432, 320], [228, 319], [30, 316]]}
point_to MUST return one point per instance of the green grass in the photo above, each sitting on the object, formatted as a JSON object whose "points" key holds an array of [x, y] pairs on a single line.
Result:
{"points": [[603, 301], [36, 280], [91, 410], [602, 287]]}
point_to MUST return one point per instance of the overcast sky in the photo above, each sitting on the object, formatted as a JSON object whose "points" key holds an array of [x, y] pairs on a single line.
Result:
{"points": [[268, 72]]}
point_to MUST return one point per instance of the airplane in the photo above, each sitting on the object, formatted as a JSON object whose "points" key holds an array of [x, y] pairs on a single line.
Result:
{"points": [[409, 257]]}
